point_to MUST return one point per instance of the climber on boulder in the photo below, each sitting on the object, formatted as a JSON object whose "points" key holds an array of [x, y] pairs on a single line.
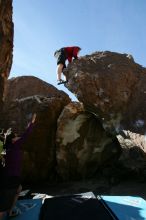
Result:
{"points": [[63, 54]]}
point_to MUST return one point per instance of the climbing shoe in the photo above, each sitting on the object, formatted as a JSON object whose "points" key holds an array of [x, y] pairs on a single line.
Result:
{"points": [[61, 82]]}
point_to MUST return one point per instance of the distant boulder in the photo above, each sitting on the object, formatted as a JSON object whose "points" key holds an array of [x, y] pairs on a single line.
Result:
{"points": [[24, 86]]}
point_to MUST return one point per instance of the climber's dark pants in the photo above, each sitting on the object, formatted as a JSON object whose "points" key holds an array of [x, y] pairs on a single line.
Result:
{"points": [[61, 57]]}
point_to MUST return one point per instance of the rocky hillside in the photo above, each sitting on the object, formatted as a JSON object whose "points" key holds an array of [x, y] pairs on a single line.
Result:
{"points": [[24, 86]]}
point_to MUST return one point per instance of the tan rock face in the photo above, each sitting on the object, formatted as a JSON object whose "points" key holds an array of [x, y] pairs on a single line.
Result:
{"points": [[133, 155], [6, 43], [82, 144], [110, 85]]}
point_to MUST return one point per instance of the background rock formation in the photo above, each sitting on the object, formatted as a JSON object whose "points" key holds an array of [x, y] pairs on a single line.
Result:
{"points": [[6, 43], [24, 86]]}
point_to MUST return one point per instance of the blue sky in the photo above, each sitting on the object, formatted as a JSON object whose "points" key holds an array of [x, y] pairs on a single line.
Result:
{"points": [[42, 26]]}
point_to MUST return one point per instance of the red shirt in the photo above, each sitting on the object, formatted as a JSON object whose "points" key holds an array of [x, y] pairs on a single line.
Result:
{"points": [[71, 52]]}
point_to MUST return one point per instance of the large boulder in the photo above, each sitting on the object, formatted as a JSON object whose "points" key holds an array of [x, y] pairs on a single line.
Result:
{"points": [[83, 146], [6, 44], [111, 86]]}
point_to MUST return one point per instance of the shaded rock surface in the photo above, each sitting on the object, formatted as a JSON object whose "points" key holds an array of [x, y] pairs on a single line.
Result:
{"points": [[83, 146], [112, 86], [6, 43]]}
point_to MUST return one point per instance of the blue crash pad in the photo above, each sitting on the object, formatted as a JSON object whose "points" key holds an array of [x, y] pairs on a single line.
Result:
{"points": [[126, 207], [29, 209]]}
